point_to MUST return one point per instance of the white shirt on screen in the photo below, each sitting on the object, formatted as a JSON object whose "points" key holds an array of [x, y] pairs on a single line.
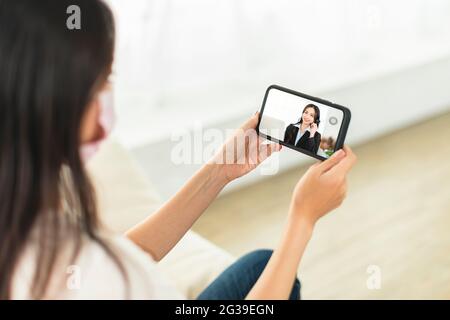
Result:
{"points": [[300, 133]]}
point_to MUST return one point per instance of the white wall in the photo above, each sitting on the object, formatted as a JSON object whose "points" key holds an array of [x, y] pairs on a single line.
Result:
{"points": [[378, 106], [180, 64]]}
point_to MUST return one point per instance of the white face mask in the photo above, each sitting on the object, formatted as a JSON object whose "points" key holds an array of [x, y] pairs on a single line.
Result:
{"points": [[106, 120]]}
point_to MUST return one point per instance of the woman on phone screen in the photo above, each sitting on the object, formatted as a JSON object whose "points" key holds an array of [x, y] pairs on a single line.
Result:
{"points": [[303, 134]]}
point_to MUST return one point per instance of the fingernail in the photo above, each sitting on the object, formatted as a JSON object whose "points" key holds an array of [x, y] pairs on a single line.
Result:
{"points": [[339, 153]]}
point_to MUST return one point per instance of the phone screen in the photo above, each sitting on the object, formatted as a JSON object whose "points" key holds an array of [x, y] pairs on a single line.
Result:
{"points": [[300, 123]]}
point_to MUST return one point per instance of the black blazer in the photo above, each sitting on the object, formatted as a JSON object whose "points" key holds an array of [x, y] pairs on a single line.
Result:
{"points": [[305, 142]]}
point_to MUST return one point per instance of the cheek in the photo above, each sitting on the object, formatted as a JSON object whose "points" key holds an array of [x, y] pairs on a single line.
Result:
{"points": [[89, 123]]}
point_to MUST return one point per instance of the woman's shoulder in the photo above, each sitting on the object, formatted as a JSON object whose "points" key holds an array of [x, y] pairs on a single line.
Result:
{"points": [[142, 278], [291, 126], [95, 275]]}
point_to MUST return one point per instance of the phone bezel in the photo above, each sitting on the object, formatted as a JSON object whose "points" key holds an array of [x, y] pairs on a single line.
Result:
{"points": [[342, 131]]}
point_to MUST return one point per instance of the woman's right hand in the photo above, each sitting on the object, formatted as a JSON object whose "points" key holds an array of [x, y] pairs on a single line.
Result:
{"points": [[322, 188]]}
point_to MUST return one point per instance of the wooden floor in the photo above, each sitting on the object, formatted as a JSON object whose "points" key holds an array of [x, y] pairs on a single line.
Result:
{"points": [[396, 216]]}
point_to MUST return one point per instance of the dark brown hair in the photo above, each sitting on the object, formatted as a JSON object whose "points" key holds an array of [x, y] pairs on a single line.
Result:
{"points": [[48, 75], [316, 113]]}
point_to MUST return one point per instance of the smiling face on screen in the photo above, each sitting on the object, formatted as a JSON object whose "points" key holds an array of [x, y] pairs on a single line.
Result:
{"points": [[308, 116]]}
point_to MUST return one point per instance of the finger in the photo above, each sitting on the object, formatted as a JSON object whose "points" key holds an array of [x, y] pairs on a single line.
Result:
{"points": [[332, 161], [247, 148], [262, 141], [265, 150], [251, 122], [253, 148], [346, 163]]}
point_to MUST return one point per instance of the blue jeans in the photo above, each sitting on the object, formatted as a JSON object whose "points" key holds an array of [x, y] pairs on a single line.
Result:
{"points": [[239, 278]]}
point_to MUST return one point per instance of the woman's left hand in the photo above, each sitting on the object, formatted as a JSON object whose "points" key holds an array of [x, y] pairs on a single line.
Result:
{"points": [[313, 129], [243, 151]]}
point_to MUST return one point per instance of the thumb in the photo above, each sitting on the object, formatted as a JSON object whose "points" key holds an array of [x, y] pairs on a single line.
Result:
{"points": [[266, 149], [332, 161], [251, 122]]}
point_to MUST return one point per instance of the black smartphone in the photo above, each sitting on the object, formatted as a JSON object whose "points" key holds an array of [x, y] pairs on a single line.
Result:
{"points": [[311, 125]]}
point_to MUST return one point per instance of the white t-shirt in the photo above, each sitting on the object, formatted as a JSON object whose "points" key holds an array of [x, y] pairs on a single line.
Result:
{"points": [[94, 275], [300, 133]]}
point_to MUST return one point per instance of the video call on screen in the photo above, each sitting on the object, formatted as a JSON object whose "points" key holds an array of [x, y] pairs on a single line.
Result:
{"points": [[300, 122]]}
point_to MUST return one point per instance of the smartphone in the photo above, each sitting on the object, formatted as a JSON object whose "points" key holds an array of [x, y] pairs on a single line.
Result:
{"points": [[310, 125]]}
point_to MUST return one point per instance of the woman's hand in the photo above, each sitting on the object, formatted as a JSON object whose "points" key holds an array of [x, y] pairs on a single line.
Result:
{"points": [[243, 151], [322, 188], [319, 191], [312, 129]]}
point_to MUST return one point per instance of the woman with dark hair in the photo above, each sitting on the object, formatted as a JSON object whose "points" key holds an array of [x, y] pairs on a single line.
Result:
{"points": [[303, 134], [55, 109]]}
